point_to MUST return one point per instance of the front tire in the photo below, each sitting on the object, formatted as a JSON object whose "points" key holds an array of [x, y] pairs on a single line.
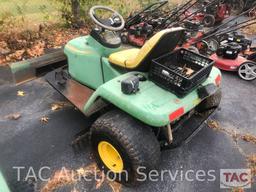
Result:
{"points": [[116, 135], [209, 21]]}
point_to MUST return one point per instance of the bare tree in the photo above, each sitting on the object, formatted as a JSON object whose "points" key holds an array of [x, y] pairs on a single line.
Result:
{"points": [[75, 8]]}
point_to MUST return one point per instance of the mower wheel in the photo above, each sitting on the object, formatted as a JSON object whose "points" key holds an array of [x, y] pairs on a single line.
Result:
{"points": [[124, 39], [209, 20], [124, 147], [247, 71], [194, 49], [237, 6], [213, 45], [210, 102]]}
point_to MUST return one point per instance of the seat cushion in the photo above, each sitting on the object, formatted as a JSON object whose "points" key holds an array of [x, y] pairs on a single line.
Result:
{"points": [[122, 57], [158, 45]]}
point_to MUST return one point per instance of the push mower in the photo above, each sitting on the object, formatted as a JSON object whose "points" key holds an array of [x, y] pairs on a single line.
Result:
{"points": [[238, 6], [227, 59], [144, 99], [232, 57], [235, 37], [139, 26], [215, 13]]}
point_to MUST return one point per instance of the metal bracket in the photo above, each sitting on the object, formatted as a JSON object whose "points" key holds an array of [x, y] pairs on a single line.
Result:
{"points": [[168, 133]]}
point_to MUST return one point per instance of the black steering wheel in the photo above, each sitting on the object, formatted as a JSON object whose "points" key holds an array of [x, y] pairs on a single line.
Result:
{"points": [[114, 23]]}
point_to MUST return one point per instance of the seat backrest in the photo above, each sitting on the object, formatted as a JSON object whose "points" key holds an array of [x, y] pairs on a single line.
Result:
{"points": [[160, 44]]}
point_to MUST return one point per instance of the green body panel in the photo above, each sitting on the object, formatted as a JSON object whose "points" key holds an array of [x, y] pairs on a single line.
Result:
{"points": [[3, 185], [84, 57], [109, 71], [88, 64], [19, 66], [152, 104]]}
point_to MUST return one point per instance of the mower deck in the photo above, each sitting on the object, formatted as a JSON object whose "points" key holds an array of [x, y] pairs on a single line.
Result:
{"points": [[228, 64]]}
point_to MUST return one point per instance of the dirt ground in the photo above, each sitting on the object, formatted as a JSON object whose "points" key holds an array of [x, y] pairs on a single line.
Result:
{"points": [[30, 44]]}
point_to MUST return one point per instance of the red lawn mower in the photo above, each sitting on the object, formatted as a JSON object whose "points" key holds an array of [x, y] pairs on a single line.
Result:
{"points": [[139, 26], [226, 61], [213, 14]]}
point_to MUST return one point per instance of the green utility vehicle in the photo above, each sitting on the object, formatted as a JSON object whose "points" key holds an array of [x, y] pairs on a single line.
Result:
{"points": [[145, 100], [3, 185]]}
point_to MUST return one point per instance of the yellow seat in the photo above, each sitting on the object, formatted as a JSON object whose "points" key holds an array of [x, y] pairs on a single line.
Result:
{"points": [[161, 43], [121, 57]]}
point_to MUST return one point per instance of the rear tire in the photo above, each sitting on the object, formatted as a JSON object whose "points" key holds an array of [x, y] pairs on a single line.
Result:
{"points": [[209, 20], [211, 102], [135, 143]]}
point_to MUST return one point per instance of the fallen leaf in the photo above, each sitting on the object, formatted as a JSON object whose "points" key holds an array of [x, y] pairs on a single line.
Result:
{"points": [[21, 93], [116, 187], [14, 116], [237, 190], [60, 178], [2, 60], [74, 190], [37, 49], [17, 55], [249, 138], [81, 171], [213, 124], [100, 180], [57, 106], [252, 163], [44, 119]]}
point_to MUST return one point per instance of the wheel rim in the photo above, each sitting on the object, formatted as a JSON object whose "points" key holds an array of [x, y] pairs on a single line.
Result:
{"points": [[237, 6], [213, 45], [110, 157], [207, 21], [247, 71]]}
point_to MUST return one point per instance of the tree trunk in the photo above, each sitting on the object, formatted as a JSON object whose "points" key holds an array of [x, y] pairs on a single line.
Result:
{"points": [[76, 12]]}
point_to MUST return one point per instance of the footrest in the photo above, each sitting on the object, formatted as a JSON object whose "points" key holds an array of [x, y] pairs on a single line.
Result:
{"points": [[189, 128]]}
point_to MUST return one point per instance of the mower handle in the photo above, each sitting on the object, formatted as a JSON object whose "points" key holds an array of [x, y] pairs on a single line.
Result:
{"points": [[174, 12], [160, 4], [107, 23], [198, 11]]}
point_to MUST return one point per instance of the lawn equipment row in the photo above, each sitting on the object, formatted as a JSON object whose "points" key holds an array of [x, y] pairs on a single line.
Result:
{"points": [[230, 50], [144, 24], [212, 13]]}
